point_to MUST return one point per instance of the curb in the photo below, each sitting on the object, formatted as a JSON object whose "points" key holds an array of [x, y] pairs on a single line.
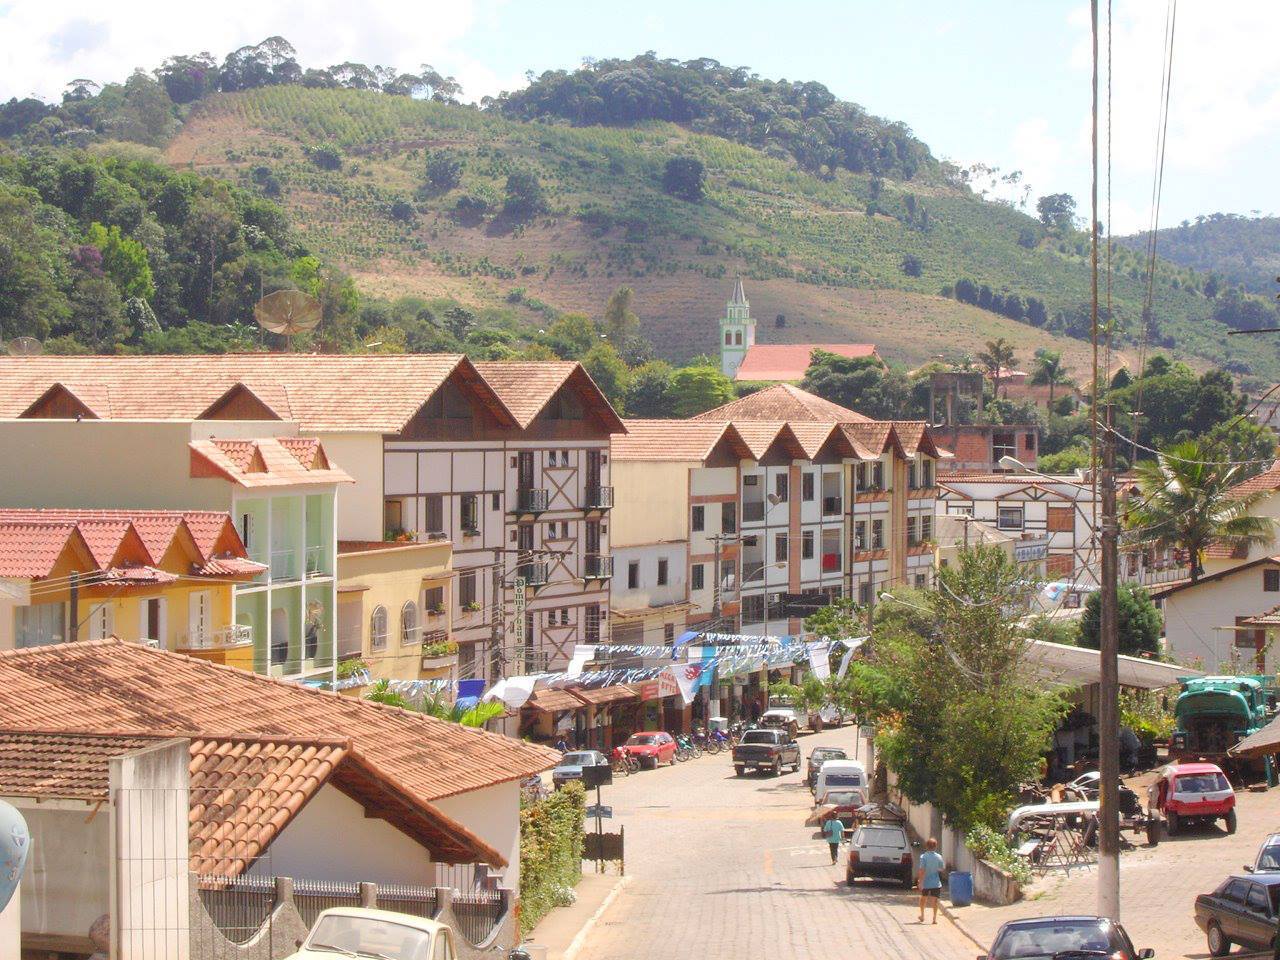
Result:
{"points": [[576, 944], [949, 913]]}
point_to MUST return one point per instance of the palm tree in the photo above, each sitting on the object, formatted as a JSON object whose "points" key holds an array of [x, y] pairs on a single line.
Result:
{"points": [[1187, 502], [436, 706], [1049, 370], [997, 358]]}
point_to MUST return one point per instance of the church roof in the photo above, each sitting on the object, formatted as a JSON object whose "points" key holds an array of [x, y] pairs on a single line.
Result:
{"points": [[788, 362], [739, 297], [783, 402]]}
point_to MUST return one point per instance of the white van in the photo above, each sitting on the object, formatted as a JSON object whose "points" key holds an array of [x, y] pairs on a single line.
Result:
{"points": [[839, 775]]}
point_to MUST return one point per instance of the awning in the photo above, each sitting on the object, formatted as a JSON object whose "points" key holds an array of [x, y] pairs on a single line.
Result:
{"points": [[1056, 662], [553, 701], [1260, 743], [605, 695]]}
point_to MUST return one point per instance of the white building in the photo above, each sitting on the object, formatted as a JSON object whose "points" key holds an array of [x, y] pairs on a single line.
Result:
{"points": [[737, 331], [1206, 622]]}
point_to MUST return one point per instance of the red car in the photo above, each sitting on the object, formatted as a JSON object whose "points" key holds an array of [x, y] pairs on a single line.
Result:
{"points": [[1188, 793], [651, 748]]}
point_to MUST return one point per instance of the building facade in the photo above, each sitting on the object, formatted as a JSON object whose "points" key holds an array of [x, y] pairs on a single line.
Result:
{"points": [[737, 331]]}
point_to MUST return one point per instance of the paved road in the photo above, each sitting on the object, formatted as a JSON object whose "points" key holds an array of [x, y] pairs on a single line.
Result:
{"points": [[723, 867]]}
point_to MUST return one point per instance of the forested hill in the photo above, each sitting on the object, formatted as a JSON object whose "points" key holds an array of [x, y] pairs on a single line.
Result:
{"points": [[1236, 250], [427, 224]]}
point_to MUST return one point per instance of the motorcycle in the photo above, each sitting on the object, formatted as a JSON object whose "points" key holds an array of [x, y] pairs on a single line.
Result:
{"points": [[686, 749], [706, 743], [720, 740], [622, 763]]}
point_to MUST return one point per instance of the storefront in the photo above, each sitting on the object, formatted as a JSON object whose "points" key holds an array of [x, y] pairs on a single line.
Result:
{"points": [[608, 709], [549, 715]]}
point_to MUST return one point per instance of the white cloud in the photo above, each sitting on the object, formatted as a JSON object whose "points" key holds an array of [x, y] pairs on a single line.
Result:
{"points": [[43, 45]]}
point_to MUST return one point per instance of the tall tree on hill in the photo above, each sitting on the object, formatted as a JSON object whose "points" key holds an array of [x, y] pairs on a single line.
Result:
{"points": [[1049, 371], [997, 358], [1057, 211], [684, 177], [620, 321]]}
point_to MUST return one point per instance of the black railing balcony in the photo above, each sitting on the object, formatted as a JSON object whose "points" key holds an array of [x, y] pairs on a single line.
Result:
{"points": [[753, 511], [536, 573], [831, 506], [597, 566], [532, 499], [599, 498]]}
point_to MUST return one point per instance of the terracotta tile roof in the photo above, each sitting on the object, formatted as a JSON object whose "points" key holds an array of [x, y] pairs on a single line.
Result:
{"points": [[70, 766], [527, 387], [872, 438], [118, 687], [675, 440], [813, 436], [1227, 551], [1269, 619], [231, 567], [759, 434], [1265, 482], [789, 361], [369, 392], [783, 401], [104, 537], [915, 437], [552, 701], [602, 695], [31, 550], [137, 575], [264, 462]]}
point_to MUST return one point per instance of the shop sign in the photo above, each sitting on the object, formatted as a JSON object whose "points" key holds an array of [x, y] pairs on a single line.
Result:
{"points": [[667, 685], [649, 690]]}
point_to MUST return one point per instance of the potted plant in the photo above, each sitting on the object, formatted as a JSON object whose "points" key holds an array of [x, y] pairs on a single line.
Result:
{"points": [[472, 607]]}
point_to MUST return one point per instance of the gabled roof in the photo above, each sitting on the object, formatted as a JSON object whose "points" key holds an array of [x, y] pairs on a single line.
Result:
{"points": [[788, 362], [783, 401], [365, 392], [916, 437], [265, 462], [872, 438], [1165, 590], [1265, 482], [676, 440], [526, 388]]}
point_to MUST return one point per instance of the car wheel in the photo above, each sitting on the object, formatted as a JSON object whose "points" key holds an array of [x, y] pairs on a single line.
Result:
{"points": [[1231, 821], [907, 881], [1219, 945], [777, 768], [1171, 824], [739, 770]]}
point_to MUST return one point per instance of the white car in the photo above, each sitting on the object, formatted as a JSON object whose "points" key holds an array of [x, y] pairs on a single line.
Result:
{"points": [[880, 850], [383, 934]]}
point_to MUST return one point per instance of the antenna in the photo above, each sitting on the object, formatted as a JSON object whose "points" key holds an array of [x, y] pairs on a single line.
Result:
{"points": [[288, 312], [25, 347]]}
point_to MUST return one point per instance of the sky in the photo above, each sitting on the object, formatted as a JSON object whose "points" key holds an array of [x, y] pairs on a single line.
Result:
{"points": [[1002, 83]]}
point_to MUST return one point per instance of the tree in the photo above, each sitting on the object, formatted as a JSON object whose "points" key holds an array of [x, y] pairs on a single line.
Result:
{"points": [[572, 335], [1048, 370], [326, 156], [1185, 500], [620, 321], [1057, 211], [684, 177], [444, 171], [524, 195], [912, 266], [476, 715], [1138, 621], [860, 383], [997, 358], [649, 394], [609, 371], [1244, 442], [699, 388], [839, 620]]}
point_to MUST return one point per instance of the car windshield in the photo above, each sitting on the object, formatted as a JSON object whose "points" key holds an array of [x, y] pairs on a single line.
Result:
{"points": [[642, 739], [1040, 941], [577, 760], [843, 779], [845, 798], [1201, 783], [1269, 858], [827, 753], [369, 937], [759, 736], [882, 837]]}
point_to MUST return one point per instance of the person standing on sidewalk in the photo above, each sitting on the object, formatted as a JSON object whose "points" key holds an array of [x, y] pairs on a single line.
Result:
{"points": [[833, 830], [929, 876]]}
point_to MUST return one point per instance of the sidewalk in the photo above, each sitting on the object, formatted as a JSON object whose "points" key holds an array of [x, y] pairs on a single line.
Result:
{"points": [[563, 930]]}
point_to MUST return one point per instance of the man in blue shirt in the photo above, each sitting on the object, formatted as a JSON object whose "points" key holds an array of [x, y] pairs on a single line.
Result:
{"points": [[833, 830], [929, 876]]}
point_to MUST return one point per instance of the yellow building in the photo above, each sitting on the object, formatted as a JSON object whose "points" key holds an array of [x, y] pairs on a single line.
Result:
{"points": [[393, 610], [165, 577]]}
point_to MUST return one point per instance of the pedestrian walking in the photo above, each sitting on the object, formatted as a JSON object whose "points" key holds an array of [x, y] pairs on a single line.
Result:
{"points": [[833, 830], [561, 745], [929, 877]]}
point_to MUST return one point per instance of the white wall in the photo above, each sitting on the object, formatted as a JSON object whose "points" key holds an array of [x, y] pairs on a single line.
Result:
{"points": [[359, 503], [648, 593], [493, 815], [332, 839], [652, 501], [1193, 618], [66, 886], [11, 925]]}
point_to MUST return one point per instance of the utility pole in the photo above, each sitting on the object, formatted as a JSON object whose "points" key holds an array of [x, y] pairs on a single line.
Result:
{"points": [[1109, 692], [715, 590], [496, 622]]}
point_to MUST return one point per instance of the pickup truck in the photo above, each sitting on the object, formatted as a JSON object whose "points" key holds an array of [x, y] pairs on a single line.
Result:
{"points": [[766, 749]]}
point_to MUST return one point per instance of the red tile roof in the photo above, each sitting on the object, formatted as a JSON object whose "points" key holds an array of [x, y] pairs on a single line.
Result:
{"points": [[783, 401], [1265, 482], [789, 361], [31, 550], [526, 388], [675, 440], [265, 462]]}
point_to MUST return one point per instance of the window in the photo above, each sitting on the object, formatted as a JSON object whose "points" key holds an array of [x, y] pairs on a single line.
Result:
{"points": [[495, 501], [806, 545], [926, 527], [433, 600], [662, 571], [698, 521], [698, 576], [434, 513], [393, 516], [409, 631], [668, 633], [877, 534], [911, 475], [1003, 445], [1258, 902], [913, 532], [1271, 580], [40, 624], [921, 581], [753, 609], [633, 575], [564, 616], [728, 517], [1029, 442], [378, 628], [467, 589], [926, 473], [246, 529], [860, 535], [877, 476], [864, 594], [100, 622], [728, 338], [1009, 518], [1059, 519], [470, 513], [780, 547], [151, 619], [737, 338], [199, 613], [806, 487], [780, 487], [593, 623]]}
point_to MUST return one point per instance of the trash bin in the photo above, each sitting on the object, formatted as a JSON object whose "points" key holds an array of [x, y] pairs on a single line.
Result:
{"points": [[960, 888]]}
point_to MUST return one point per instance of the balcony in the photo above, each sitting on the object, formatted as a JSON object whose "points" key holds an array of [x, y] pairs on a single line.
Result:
{"points": [[832, 506], [753, 511], [284, 565], [536, 573], [599, 498], [235, 635], [532, 500], [597, 566]]}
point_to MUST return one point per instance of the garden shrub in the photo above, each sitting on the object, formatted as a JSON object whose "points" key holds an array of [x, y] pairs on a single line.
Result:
{"points": [[550, 852]]}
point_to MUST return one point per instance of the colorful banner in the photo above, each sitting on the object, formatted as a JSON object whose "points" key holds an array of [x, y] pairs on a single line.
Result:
{"points": [[819, 661]]}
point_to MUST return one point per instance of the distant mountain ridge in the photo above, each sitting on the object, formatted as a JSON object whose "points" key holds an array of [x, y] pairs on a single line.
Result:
{"points": [[1240, 250]]}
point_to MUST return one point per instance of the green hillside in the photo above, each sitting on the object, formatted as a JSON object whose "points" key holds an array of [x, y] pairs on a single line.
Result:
{"points": [[1244, 251]]}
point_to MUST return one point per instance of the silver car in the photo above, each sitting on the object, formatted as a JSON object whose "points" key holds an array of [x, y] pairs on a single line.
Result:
{"points": [[571, 765]]}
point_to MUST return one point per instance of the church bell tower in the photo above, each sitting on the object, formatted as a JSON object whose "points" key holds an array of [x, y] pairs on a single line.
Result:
{"points": [[737, 331]]}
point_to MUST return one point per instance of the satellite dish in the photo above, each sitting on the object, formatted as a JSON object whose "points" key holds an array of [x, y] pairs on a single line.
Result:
{"points": [[288, 312], [25, 347]]}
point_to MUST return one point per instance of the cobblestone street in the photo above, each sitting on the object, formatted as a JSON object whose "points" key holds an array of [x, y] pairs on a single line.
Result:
{"points": [[723, 867]]}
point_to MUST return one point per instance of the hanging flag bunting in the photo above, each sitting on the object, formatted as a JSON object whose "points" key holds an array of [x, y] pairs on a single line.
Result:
{"points": [[819, 660], [582, 652]]}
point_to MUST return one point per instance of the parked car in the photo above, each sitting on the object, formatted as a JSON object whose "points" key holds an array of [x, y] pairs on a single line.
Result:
{"points": [[782, 718], [880, 850], [817, 757], [843, 806], [651, 748], [571, 764], [1192, 793], [1268, 858], [1043, 938], [1242, 911], [766, 749], [356, 931], [839, 775]]}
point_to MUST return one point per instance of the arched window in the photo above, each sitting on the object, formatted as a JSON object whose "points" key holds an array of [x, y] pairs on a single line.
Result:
{"points": [[728, 338], [378, 628], [737, 338], [409, 632]]}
